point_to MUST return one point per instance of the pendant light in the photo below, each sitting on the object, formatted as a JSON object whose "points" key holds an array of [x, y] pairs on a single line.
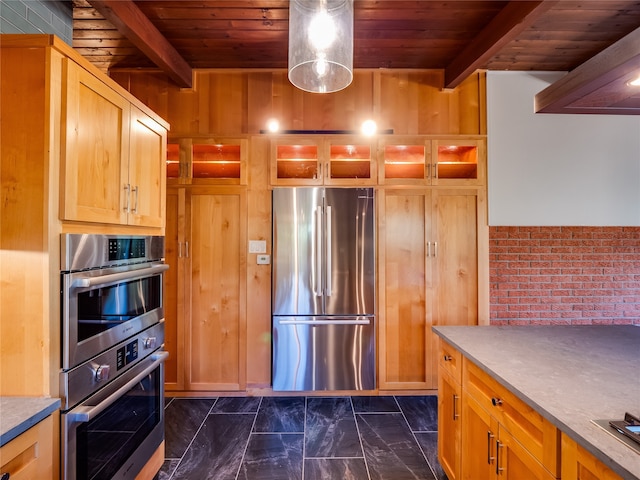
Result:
{"points": [[321, 44]]}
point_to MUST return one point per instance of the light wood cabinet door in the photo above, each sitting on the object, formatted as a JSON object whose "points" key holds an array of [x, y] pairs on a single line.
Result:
{"points": [[30, 455], [404, 322], [216, 329], [515, 462], [428, 264], [95, 150], [449, 424], [578, 464], [147, 178], [174, 290], [479, 436]]}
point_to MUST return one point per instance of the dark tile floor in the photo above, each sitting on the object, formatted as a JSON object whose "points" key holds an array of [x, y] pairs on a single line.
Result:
{"points": [[296, 438]]}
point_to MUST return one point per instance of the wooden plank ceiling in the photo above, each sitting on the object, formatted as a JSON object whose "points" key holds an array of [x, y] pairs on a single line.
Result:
{"points": [[456, 36]]}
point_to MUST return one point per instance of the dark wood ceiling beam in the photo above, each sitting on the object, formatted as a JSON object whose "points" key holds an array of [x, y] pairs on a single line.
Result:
{"points": [[502, 29], [133, 24], [583, 89]]}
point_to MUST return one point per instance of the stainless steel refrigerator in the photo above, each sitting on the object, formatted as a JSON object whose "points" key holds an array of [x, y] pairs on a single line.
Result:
{"points": [[323, 290]]}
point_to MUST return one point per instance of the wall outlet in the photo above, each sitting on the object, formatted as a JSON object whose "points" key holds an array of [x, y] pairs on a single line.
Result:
{"points": [[257, 246], [263, 260]]}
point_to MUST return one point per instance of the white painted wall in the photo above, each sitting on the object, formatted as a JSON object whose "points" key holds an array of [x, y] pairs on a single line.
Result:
{"points": [[557, 169]]}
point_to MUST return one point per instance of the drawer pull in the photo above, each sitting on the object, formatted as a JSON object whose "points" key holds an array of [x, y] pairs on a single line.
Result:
{"points": [[490, 437], [448, 358], [499, 469], [496, 401], [455, 414]]}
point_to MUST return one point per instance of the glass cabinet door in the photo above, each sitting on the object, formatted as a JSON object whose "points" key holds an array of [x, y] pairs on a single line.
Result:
{"points": [[350, 161], [296, 161], [458, 161], [404, 160]]}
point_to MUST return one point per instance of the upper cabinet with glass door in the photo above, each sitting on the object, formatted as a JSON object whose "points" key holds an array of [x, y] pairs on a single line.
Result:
{"points": [[207, 161], [333, 160], [421, 160]]}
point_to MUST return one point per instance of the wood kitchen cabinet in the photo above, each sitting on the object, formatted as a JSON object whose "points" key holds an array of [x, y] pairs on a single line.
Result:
{"points": [[428, 160], [67, 139], [113, 155], [449, 407], [30, 455], [333, 160], [579, 464], [207, 161], [205, 305], [429, 241]]}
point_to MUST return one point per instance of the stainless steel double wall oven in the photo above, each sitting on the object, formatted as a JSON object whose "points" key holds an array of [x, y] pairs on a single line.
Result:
{"points": [[112, 378]]}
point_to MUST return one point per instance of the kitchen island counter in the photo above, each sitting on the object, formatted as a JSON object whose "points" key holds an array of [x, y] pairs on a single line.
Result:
{"points": [[571, 375], [18, 414]]}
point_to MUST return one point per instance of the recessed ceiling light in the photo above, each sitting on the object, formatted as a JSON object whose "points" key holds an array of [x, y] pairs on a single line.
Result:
{"points": [[635, 82]]}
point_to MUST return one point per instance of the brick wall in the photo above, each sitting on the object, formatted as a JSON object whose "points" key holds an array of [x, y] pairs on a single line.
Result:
{"points": [[37, 16], [564, 275]]}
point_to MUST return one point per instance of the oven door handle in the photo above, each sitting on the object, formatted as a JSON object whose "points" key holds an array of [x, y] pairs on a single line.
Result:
{"points": [[86, 414], [117, 277]]}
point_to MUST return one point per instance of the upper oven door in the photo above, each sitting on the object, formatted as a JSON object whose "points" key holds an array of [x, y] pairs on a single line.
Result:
{"points": [[103, 307]]}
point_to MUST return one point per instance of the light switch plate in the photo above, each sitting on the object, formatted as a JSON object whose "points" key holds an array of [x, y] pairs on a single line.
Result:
{"points": [[257, 246], [263, 260]]}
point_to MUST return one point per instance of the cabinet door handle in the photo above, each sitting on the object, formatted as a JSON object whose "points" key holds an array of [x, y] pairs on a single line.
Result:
{"points": [[127, 192], [435, 170], [186, 249], [428, 249], [135, 201], [499, 469], [455, 414], [447, 358], [496, 401], [435, 249], [179, 249], [489, 443]]}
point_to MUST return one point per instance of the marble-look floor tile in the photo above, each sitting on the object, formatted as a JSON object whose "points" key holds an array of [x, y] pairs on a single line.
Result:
{"points": [[429, 444], [281, 414], [217, 450], [273, 456], [236, 405], [390, 449], [374, 404], [421, 412], [331, 428], [335, 468], [182, 419]]}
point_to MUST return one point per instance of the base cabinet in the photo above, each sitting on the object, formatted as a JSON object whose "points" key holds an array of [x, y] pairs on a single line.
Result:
{"points": [[205, 304], [485, 432], [30, 455], [578, 464]]}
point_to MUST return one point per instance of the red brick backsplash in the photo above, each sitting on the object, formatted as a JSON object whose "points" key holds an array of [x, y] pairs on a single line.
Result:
{"points": [[564, 275]]}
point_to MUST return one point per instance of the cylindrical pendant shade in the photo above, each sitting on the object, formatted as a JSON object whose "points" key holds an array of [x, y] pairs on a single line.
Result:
{"points": [[321, 44]]}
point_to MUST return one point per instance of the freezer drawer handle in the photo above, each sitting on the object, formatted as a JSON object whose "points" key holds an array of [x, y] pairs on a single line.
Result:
{"points": [[325, 322]]}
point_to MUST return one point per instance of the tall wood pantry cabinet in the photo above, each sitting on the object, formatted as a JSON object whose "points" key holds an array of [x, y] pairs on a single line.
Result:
{"points": [[205, 292]]}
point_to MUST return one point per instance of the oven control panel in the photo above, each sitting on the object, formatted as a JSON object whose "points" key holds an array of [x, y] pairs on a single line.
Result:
{"points": [[126, 248], [127, 354]]}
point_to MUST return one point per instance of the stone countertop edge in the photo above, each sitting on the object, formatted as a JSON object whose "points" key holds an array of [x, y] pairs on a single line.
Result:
{"points": [[19, 414], [571, 375]]}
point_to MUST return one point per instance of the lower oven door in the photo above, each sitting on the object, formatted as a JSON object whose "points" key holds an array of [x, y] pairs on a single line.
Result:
{"points": [[114, 433]]}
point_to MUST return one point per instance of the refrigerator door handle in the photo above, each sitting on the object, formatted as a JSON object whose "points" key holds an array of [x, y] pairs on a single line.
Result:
{"points": [[325, 322], [328, 259], [318, 286]]}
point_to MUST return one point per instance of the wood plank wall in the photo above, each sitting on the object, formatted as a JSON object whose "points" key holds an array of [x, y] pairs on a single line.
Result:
{"points": [[233, 104]]}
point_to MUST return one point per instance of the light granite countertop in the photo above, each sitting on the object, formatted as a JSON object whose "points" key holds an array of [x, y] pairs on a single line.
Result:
{"points": [[571, 375], [18, 414]]}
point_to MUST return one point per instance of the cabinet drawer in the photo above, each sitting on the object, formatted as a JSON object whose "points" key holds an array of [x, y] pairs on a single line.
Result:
{"points": [[450, 360], [29, 455], [527, 426]]}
